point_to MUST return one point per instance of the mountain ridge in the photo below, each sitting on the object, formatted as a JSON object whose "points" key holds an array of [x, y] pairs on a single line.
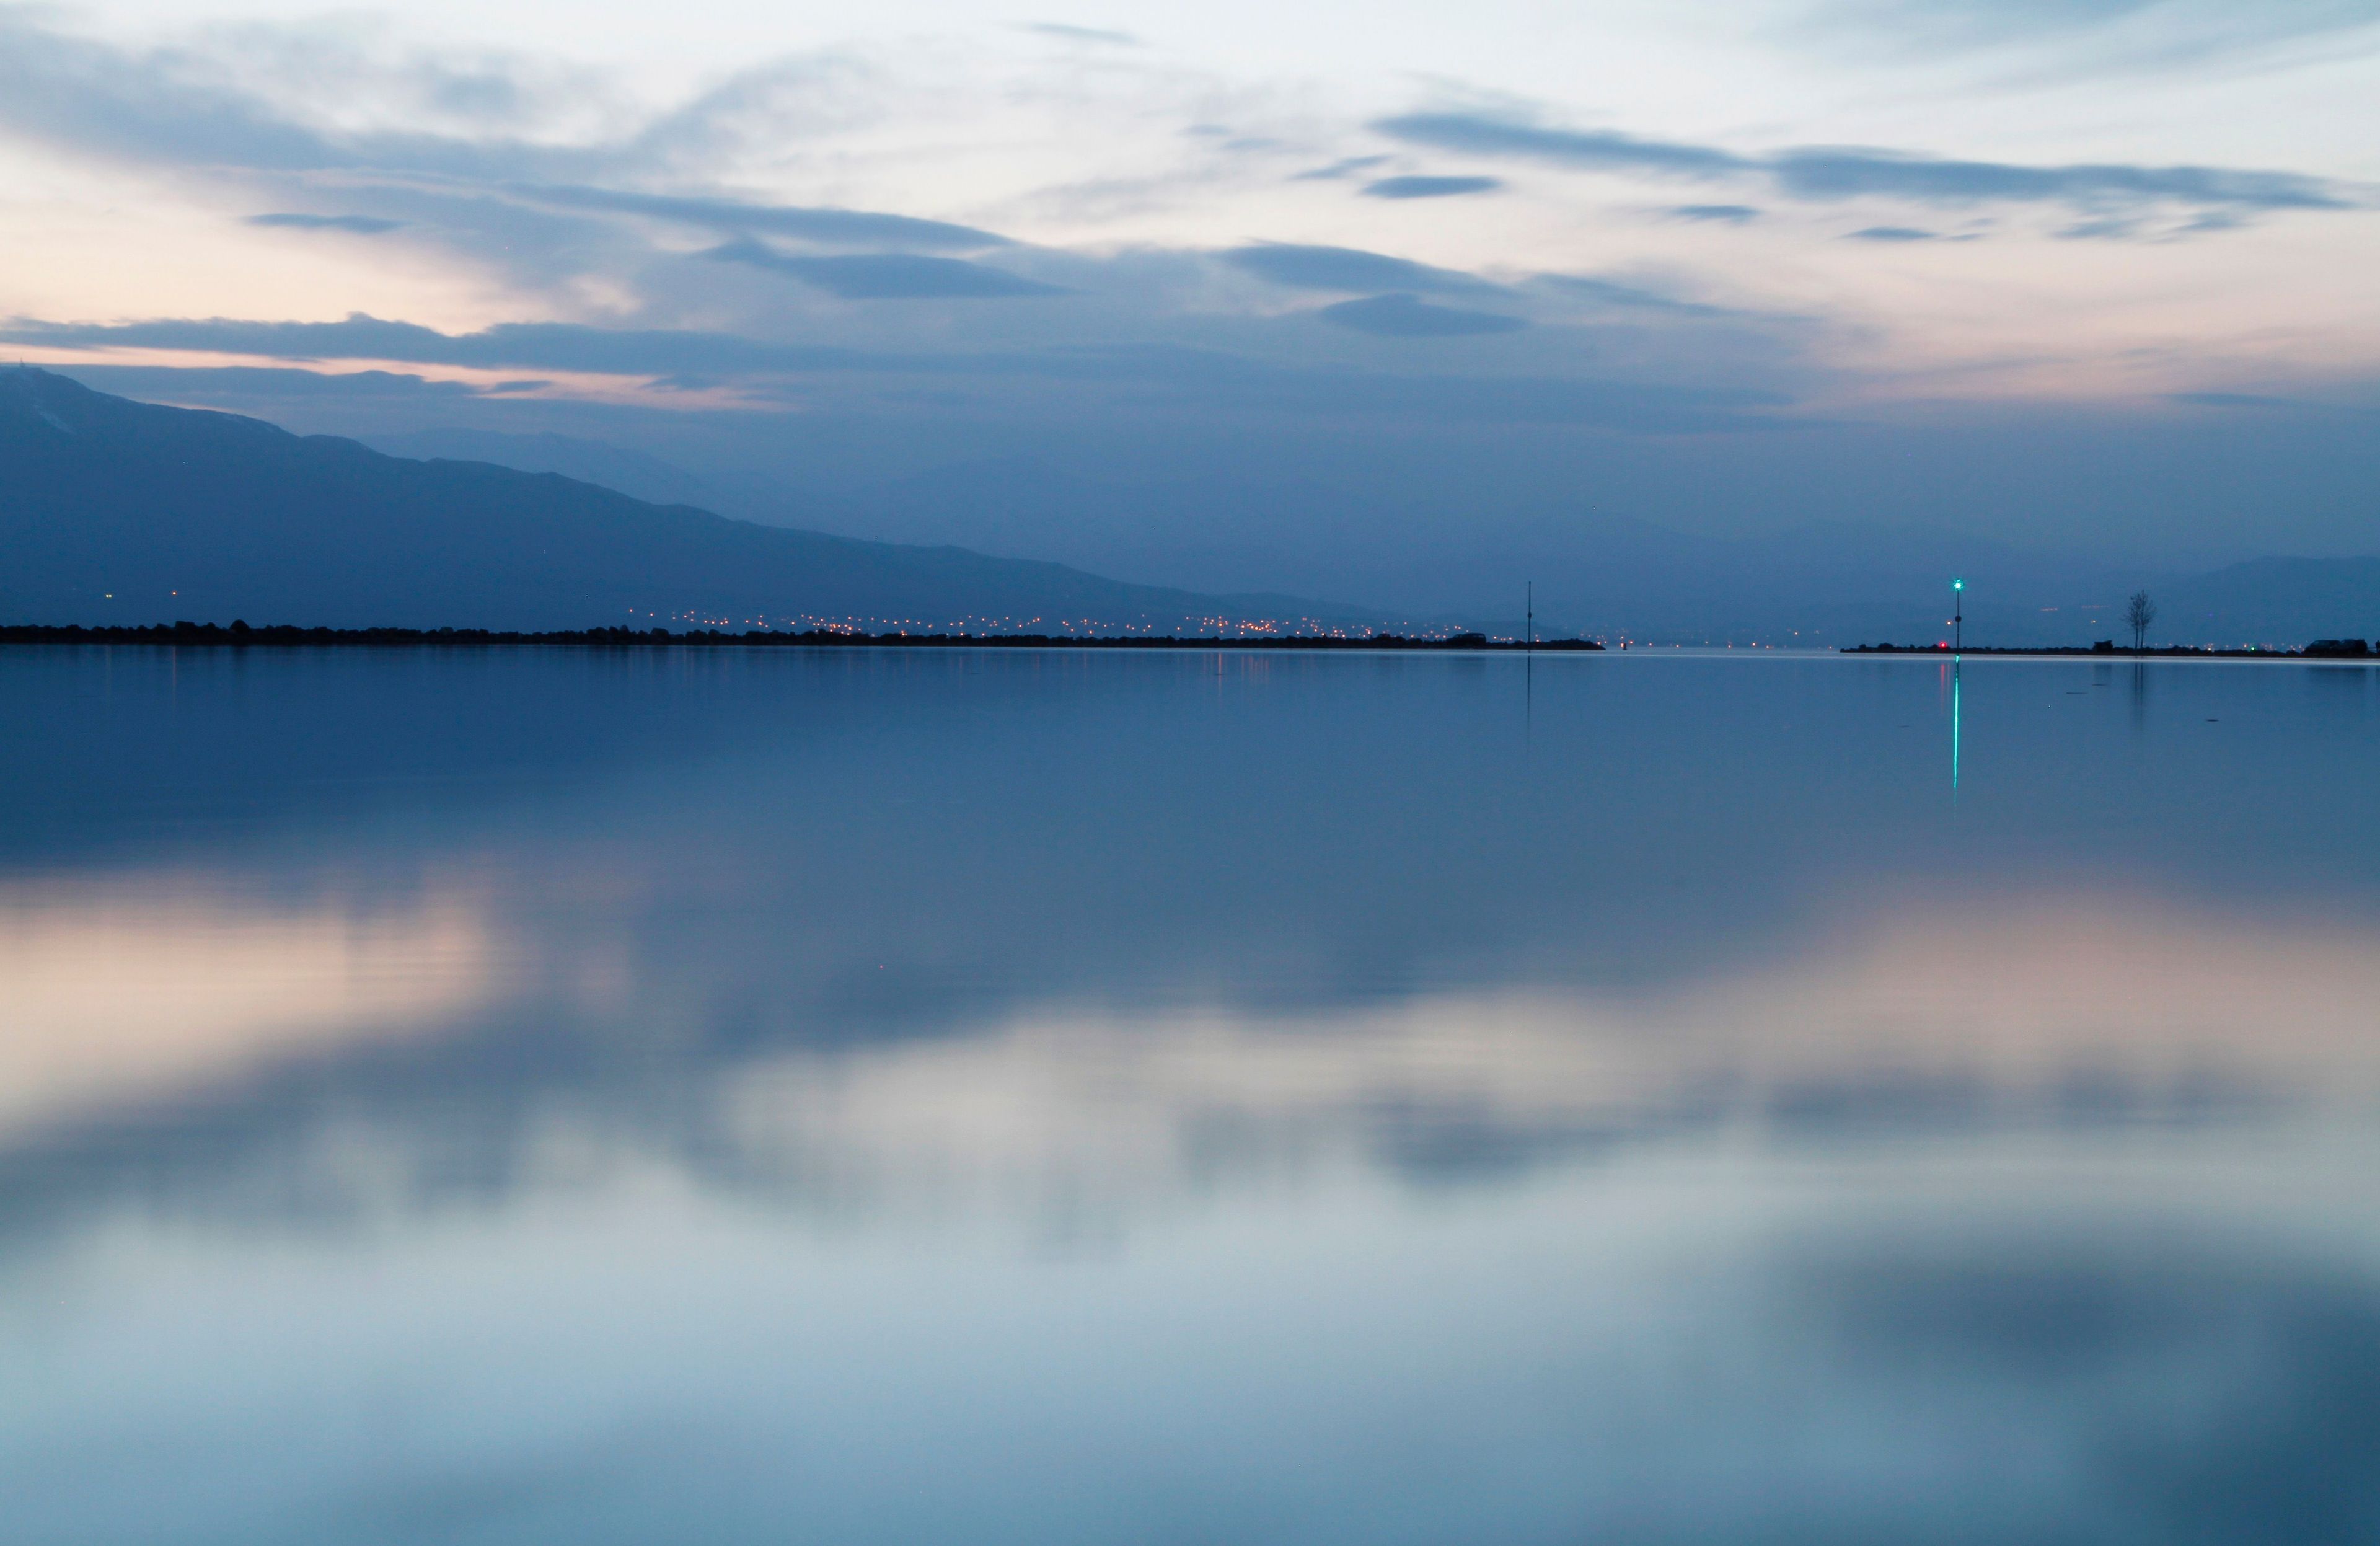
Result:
{"points": [[114, 511], [120, 511]]}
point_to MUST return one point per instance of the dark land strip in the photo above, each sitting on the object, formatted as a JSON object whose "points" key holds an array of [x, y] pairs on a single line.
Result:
{"points": [[2321, 649], [241, 636]]}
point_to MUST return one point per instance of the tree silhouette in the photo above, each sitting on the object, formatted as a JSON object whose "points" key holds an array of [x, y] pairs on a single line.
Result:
{"points": [[2139, 612]]}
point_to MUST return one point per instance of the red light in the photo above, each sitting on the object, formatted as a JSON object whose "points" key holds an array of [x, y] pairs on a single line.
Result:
{"points": [[1943, 645]]}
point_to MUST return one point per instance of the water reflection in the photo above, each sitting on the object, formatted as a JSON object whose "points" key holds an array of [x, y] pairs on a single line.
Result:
{"points": [[1955, 703], [875, 1098], [129, 990], [459, 1077]]}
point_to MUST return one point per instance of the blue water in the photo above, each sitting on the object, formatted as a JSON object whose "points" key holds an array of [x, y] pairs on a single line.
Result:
{"points": [[882, 1096]]}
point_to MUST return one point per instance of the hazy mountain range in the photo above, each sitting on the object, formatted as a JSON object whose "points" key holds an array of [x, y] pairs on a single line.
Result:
{"points": [[124, 512], [1825, 584], [117, 511]]}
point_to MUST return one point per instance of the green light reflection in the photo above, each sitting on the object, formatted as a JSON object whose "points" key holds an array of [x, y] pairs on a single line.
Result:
{"points": [[1954, 725]]}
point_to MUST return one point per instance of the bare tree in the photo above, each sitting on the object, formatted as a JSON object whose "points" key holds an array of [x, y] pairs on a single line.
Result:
{"points": [[2139, 612]]}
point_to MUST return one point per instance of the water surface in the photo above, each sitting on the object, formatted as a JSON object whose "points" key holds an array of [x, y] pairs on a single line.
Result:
{"points": [[708, 1096]]}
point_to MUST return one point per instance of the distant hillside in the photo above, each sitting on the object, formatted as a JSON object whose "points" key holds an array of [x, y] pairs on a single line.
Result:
{"points": [[1846, 583], [113, 511], [2275, 601], [590, 461]]}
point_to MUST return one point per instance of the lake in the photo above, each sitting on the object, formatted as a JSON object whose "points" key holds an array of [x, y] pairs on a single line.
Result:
{"points": [[734, 1096]]}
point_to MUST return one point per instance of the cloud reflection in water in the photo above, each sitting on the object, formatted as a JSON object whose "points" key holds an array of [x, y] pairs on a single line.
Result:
{"points": [[143, 988], [1029, 1099], [214, 1013]]}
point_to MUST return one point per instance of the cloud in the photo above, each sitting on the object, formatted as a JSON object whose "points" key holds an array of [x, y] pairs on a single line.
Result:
{"points": [[600, 212], [1821, 173], [2096, 35], [1158, 377], [823, 225], [1346, 268], [1848, 174], [2231, 400], [2260, 402], [1404, 316], [1890, 233], [508, 345], [1430, 187], [2280, 1356], [888, 276], [1338, 169], [1610, 293], [1477, 135], [2111, 228], [361, 225], [1069, 32], [246, 383], [2133, 227], [173, 107]]}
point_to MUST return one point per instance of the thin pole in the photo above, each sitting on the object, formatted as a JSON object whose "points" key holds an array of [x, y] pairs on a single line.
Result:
{"points": [[1532, 605]]}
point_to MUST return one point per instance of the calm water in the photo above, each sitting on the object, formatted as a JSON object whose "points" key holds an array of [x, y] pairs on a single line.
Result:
{"points": [[881, 1097]]}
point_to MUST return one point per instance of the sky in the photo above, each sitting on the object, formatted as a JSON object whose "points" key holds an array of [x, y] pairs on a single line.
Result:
{"points": [[1278, 296]]}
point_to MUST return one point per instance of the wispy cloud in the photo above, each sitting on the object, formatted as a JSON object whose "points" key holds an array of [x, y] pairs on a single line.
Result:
{"points": [[830, 226], [1629, 297], [356, 224], [1343, 168], [2262, 403], [1067, 31], [887, 275], [1825, 173], [182, 108], [664, 220], [1166, 378], [1851, 173], [1603, 150], [1432, 187], [1404, 316], [248, 383], [179, 107], [1346, 268], [508, 345], [2098, 34]]}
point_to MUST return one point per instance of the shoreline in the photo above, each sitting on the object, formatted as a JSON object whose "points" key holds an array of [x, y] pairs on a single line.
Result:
{"points": [[284, 636], [2085, 651], [242, 635]]}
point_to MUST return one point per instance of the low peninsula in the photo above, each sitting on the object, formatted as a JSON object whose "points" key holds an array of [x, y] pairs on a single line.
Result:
{"points": [[240, 635]]}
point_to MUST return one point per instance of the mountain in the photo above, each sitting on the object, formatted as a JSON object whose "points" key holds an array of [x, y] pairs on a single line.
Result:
{"points": [[122, 512], [587, 461], [1849, 582], [113, 511], [2273, 599], [1842, 582]]}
